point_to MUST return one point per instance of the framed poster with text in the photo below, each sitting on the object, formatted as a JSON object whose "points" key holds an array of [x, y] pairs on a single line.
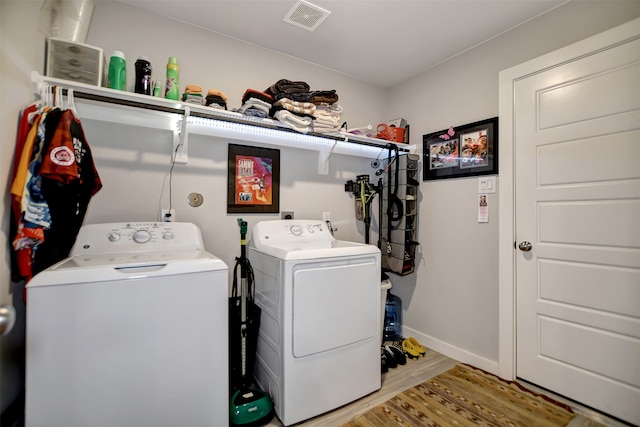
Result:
{"points": [[253, 182]]}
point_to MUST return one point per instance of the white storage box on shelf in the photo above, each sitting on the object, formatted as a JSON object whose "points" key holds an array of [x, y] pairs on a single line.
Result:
{"points": [[78, 62]]}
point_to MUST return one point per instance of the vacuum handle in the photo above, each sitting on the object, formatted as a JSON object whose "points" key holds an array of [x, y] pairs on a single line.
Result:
{"points": [[243, 247], [243, 228]]}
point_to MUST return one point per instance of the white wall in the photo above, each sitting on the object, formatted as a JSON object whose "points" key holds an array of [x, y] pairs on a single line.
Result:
{"points": [[132, 185], [452, 302], [133, 162]]}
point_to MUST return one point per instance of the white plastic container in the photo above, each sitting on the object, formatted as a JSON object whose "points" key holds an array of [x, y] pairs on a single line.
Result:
{"points": [[75, 61]]}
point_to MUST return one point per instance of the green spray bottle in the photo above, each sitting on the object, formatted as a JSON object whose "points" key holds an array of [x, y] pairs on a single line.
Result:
{"points": [[172, 87]]}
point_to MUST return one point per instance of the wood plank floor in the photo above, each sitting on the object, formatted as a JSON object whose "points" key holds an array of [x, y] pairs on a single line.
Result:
{"points": [[393, 382], [414, 373]]}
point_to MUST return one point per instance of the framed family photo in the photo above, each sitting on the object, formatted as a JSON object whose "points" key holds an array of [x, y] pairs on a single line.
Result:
{"points": [[253, 181], [467, 150]]}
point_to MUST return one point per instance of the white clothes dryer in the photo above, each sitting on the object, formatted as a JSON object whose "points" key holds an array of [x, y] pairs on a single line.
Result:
{"points": [[130, 330], [319, 341]]}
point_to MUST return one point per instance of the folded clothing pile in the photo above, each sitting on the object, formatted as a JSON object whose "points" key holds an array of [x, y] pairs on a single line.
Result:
{"points": [[255, 103], [216, 99], [192, 94]]}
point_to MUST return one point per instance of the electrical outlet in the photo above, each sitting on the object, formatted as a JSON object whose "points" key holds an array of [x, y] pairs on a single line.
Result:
{"points": [[167, 215], [286, 215]]}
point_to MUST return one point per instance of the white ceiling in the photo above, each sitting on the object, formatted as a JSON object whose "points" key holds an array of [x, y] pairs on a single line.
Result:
{"points": [[382, 42]]}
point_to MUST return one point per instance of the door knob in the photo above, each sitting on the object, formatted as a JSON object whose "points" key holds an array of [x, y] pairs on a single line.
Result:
{"points": [[525, 246], [7, 318]]}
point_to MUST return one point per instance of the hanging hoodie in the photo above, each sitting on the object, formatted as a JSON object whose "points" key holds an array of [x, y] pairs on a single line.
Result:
{"points": [[68, 181]]}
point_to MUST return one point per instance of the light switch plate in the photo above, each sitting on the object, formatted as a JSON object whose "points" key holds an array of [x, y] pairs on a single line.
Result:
{"points": [[486, 184]]}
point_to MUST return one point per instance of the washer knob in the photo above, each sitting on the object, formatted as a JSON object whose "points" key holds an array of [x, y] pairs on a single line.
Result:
{"points": [[296, 230], [167, 235], [113, 237], [141, 236]]}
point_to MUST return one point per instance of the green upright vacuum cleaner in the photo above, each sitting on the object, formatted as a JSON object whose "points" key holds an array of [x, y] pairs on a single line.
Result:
{"points": [[249, 406]]}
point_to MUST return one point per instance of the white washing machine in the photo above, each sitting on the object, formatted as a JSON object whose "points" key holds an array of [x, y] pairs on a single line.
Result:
{"points": [[130, 330], [319, 341]]}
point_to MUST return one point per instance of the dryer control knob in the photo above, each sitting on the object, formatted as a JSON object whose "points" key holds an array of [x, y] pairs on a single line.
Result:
{"points": [[167, 235], [141, 236], [113, 237], [296, 230]]}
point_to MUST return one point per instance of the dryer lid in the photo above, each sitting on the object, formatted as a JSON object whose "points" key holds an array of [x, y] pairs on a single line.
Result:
{"points": [[303, 239]]}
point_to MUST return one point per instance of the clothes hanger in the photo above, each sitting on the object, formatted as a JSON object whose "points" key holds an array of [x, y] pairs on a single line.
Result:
{"points": [[71, 104], [57, 100], [41, 103], [46, 97]]}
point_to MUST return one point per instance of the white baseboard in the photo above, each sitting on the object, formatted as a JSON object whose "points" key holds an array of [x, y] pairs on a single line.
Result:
{"points": [[452, 351]]}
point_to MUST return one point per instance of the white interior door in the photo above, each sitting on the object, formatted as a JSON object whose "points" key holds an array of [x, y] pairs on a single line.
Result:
{"points": [[577, 202]]}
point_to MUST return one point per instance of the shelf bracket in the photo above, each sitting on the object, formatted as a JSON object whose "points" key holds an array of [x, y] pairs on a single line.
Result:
{"points": [[181, 139], [323, 158]]}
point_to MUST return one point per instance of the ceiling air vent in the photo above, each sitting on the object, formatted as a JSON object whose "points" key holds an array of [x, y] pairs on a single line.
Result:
{"points": [[306, 15]]}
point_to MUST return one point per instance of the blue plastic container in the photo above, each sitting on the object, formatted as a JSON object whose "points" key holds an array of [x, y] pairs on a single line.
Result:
{"points": [[393, 317]]}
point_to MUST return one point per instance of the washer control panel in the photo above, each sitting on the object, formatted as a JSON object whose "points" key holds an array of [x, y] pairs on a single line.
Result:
{"points": [[137, 236]]}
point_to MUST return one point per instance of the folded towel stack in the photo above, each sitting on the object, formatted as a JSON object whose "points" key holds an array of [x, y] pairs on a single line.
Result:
{"points": [[292, 104], [328, 118], [305, 110], [324, 97], [297, 107], [287, 87]]}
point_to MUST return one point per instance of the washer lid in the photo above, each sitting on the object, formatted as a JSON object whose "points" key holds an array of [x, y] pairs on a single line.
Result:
{"points": [[89, 268], [303, 239]]}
